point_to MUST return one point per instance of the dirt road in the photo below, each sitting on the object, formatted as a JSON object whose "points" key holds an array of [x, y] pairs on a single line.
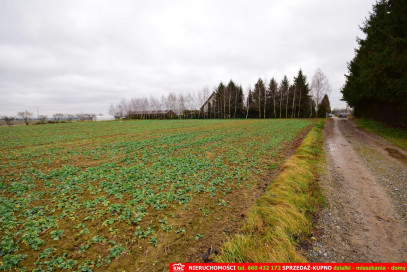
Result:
{"points": [[366, 189]]}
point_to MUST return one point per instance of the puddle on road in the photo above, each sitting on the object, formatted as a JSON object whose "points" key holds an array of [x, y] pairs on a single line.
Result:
{"points": [[332, 146], [397, 155]]}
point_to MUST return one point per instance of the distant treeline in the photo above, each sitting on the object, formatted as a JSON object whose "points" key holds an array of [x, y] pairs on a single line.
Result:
{"points": [[265, 100], [27, 118], [376, 85]]}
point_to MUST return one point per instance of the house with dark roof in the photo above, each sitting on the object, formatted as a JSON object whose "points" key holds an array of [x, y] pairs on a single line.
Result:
{"points": [[209, 103]]}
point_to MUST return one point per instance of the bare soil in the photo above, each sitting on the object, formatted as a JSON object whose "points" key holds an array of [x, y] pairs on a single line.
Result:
{"points": [[365, 187], [218, 226]]}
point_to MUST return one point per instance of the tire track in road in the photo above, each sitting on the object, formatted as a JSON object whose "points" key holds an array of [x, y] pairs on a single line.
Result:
{"points": [[361, 223]]}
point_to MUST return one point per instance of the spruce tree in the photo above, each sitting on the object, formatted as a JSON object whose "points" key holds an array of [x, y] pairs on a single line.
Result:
{"points": [[377, 78], [272, 96], [301, 85], [324, 107], [259, 96], [284, 85]]}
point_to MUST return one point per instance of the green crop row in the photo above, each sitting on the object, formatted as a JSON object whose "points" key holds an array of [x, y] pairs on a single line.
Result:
{"points": [[79, 196]]}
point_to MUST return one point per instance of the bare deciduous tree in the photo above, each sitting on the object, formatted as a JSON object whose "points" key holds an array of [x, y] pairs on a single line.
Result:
{"points": [[293, 107], [299, 103], [181, 104], [79, 116], [70, 117], [57, 116], [190, 105], [144, 106], [155, 105], [286, 105], [265, 98], [42, 118], [249, 94], [171, 102], [25, 115], [115, 111], [89, 116], [9, 120], [200, 98], [164, 103], [281, 98], [133, 108], [319, 87], [123, 107], [234, 114]]}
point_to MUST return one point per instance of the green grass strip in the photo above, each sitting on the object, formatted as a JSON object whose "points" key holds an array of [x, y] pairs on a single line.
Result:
{"points": [[282, 217], [397, 136]]}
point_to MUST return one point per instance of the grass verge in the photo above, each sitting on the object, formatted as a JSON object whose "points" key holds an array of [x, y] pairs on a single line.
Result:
{"points": [[283, 216], [397, 136]]}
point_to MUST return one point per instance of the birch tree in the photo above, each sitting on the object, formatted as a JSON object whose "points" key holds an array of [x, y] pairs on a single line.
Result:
{"points": [[273, 93], [249, 97], [286, 104], [265, 98], [293, 107]]}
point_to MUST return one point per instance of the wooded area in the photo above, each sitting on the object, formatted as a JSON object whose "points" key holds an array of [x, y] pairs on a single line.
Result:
{"points": [[376, 85], [265, 100]]}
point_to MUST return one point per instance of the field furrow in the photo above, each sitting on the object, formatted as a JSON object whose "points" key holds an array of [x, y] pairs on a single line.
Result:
{"points": [[132, 196]]}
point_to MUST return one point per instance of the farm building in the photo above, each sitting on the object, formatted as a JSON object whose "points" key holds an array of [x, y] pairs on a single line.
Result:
{"points": [[209, 103], [157, 114], [208, 109], [103, 118]]}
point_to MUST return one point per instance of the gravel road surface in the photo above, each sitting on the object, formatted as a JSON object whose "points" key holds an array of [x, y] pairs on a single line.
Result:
{"points": [[365, 185]]}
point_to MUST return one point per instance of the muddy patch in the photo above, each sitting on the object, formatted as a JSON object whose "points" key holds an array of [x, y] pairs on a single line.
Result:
{"points": [[397, 155]]}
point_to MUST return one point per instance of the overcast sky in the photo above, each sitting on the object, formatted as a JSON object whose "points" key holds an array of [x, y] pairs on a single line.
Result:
{"points": [[81, 56]]}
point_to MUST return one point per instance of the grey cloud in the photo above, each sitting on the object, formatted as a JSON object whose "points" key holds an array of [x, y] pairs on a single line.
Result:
{"points": [[72, 56]]}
